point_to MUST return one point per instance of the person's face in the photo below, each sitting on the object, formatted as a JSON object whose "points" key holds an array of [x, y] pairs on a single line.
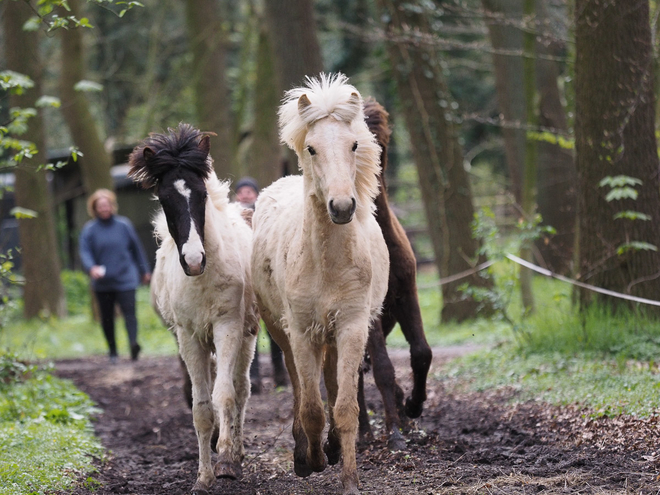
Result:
{"points": [[103, 208], [246, 195]]}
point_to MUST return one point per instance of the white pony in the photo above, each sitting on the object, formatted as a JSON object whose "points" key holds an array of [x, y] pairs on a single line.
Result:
{"points": [[320, 264], [201, 286]]}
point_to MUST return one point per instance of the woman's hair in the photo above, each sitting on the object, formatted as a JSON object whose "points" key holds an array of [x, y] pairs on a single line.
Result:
{"points": [[98, 194]]}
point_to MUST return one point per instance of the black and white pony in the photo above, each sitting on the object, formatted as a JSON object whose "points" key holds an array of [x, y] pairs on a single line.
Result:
{"points": [[201, 287]]}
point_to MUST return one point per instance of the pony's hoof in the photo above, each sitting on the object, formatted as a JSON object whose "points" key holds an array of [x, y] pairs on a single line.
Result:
{"points": [[396, 440], [317, 461], [413, 409], [301, 469], [332, 451], [226, 469], [200, 488]]}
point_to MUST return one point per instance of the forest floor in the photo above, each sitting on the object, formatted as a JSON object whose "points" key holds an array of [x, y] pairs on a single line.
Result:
{"points": [[465, 442]]}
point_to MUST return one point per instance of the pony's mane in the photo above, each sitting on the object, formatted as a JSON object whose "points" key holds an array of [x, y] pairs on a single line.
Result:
{"points": [[330, 95], [184, 147], [377, 121]]}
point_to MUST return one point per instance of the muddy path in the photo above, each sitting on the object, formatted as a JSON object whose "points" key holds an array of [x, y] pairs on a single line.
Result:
{"points": [[463, 443]]}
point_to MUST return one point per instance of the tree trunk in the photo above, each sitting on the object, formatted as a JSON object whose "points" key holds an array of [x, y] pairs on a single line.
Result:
{"points": [[296, 51], [529, 171], [615, 135], [212, 103], [507, 40], [96, 162], [556, 177], [43, 288], [265, 162], [446, 190]]}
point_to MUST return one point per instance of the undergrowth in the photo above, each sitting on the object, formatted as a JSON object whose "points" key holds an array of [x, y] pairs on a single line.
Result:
{"points": [[46, 439]]}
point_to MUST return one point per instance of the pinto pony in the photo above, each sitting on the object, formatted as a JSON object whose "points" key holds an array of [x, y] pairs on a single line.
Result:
{"points": [[320, 265], [201, 287], [401, 305]]}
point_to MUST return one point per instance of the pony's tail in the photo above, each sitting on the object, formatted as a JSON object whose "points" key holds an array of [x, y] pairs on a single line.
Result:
{"points": [[377, 120]]}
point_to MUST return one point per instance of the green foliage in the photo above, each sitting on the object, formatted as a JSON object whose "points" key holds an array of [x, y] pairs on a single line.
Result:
{"points": [[549, 137], [46, 439], [632, 215], [88, 86], [622, 187]]}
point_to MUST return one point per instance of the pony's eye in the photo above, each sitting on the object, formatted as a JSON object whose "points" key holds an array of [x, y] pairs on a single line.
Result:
{"points": [[311, 150], [354, 146]]}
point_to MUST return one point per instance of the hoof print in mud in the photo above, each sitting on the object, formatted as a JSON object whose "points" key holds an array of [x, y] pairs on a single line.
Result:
{"points": [[229, 470]]}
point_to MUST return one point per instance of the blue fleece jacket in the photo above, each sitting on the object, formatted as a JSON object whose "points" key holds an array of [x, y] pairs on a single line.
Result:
{"points": [[114, 244]]}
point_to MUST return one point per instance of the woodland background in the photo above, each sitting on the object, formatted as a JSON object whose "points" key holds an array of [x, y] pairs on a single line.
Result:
{"points": [[543, 110]]}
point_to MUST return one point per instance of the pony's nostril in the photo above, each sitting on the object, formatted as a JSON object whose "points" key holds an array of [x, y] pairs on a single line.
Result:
{"points": [[353, 208], [331, 207]]}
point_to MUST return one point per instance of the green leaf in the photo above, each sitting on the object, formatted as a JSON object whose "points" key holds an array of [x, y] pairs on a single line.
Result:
{"points": [[15, 81], [32, 24], [619, 181], [635, 246], [88, 86], [632, 215], [48, 101], [621, 193], [20, 212]]}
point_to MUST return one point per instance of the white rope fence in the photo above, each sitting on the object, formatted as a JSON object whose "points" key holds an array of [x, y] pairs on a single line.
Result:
{"points": [[542, 271]]}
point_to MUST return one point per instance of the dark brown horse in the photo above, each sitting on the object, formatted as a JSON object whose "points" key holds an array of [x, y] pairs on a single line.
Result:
{"points": [[401, 305]]}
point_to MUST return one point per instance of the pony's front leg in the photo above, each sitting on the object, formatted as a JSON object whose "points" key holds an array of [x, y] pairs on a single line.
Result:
{"points": [[198, 363], [351, 342], [332, 446], [312, 417], [228, 337], [242, 387]]}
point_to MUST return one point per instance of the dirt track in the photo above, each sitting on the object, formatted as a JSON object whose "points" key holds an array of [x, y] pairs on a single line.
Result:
{"points": [[464, 443]]}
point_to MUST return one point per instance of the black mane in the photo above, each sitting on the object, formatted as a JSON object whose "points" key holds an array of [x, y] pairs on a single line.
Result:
{"points": [[185, 147]]}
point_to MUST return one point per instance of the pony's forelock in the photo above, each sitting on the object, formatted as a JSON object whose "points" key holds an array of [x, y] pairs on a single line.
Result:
{"points": [[181, 147], [330, 95]]}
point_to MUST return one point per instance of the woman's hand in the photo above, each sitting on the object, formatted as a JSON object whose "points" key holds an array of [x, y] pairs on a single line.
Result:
{"points": [[146, 278], [97, 272]]}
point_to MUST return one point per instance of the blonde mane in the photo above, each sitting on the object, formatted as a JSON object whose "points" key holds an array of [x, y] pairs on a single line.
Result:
{"points": [[332, 97]]}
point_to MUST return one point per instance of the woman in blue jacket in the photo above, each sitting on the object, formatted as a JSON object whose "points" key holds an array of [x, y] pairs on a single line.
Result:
{"points": [[114, 258]]}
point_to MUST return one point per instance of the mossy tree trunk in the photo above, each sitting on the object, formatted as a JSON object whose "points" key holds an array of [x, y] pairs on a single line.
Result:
{"points": [[43, 292], [208, 44], [615, 135], [444, 183], [96, 162], [295, 50]]}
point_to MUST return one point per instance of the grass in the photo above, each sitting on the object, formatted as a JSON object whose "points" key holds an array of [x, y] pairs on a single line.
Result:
{"points": [[79, 335], [604, 361], [46, 439]]}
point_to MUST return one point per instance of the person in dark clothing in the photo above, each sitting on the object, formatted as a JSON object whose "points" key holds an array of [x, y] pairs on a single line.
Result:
{"points": [[114, 258], [247, 192]]}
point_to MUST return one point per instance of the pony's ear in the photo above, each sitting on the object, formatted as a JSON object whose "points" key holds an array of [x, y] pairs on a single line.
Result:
{"points": [[303, 103], [148, 154], [205, 144]]}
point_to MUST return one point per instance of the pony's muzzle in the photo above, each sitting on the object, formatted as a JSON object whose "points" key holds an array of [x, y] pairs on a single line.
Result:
{"points": [[341, 210], [193, 265]]}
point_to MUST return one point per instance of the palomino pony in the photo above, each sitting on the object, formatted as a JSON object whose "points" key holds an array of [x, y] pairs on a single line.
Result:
{"points": [[201, 286], [401, 305], [320, 265]]}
